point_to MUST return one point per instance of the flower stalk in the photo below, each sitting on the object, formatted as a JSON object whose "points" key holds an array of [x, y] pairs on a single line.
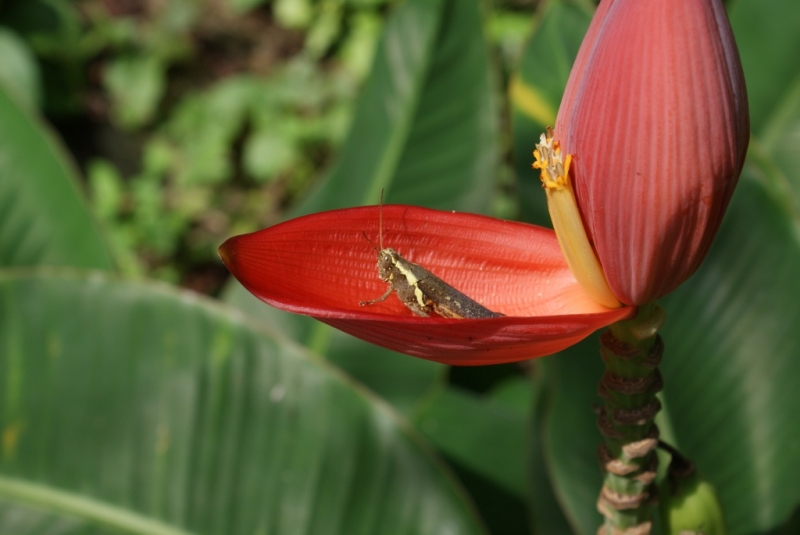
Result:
{"points": [[567, 222], [631, 351]]}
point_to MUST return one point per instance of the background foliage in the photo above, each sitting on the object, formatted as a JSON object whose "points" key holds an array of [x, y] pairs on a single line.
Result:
{"points": [[145, 407]]}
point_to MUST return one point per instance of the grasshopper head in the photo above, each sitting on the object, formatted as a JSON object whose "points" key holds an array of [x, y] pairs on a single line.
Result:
{"points": [[387, 258]]}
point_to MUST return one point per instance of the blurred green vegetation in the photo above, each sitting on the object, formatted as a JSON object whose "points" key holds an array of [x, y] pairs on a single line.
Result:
{"points": [[198, 119], [194, 120]]}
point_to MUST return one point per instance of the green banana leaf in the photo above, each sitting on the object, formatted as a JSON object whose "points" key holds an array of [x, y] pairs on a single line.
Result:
{"points": [[136, 408], [766, 31], [43, 217], [425, 126]]}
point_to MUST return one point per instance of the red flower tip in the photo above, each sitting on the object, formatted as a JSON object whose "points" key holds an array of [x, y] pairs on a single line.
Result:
{"points": [[321, 265], [655, 116]]}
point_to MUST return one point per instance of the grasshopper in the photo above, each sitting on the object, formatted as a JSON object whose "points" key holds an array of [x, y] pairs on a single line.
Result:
{"points": [[419, 289]]}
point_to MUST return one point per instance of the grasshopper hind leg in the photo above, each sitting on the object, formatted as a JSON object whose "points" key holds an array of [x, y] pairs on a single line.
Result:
{"points": [[411, 304]]}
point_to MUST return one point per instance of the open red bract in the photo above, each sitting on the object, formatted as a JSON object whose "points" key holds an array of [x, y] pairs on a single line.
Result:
{"points": [[321, 265]]}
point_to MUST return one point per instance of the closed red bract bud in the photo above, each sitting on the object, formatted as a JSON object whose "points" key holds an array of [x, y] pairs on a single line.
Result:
{"points": [[655, 117]]}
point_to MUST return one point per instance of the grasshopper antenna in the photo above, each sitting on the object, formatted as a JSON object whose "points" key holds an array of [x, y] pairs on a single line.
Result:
{"points": [[380, 222], [380, 228], [370, 241]]}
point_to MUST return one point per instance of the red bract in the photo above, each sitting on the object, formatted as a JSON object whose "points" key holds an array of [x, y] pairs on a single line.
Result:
{"points": [[322, 266], [655, 116]]}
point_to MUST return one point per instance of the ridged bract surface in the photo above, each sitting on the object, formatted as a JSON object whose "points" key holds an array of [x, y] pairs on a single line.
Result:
{"points": [[323, 265], [655, 115]]}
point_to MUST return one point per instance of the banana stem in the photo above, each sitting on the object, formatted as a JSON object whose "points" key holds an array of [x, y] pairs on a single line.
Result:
{"points": [[631, 351]]}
